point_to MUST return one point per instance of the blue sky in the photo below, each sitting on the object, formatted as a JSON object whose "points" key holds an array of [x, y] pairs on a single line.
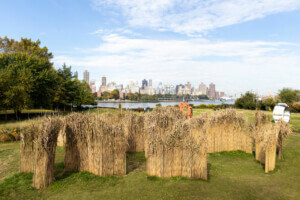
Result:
{"points": [[238, 44]]}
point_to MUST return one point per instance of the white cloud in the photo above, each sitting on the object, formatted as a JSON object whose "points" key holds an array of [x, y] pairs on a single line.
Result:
{"points": [[240, 65], [193, 16]]}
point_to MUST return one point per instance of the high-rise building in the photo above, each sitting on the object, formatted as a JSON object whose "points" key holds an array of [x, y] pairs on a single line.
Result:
{"points": [[76, 74], [202, 89], [150, 82], [86, 76], [222, 94], [177, 88], [212, 91], [144, 84], [189, 85], [103, 81]]}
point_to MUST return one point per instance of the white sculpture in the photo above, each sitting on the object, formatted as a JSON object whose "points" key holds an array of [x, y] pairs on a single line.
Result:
{"points": [[281, 111]]}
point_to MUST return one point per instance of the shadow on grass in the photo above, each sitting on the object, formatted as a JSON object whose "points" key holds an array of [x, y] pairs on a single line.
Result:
{"points": [[135, 161]]}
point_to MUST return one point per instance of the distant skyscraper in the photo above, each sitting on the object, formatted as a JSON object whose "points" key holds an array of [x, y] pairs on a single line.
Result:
{"points": [[177, 88], [150, 82], [76, 74], [103, 81], [86, 76], [189, 85], [144, 84], [202, 89], [212, 91]]}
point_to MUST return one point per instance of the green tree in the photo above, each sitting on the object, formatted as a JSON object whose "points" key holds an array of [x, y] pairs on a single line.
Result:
{"points": [[37, 59], [15, 86], [287, 95], [105, 95], [83, 96], [270, 102], [115, 94], [247, 101], [66, 90], [24, 46]]}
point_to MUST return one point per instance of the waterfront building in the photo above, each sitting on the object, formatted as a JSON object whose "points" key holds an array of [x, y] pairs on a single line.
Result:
{"points": [[144, 84], [111, 86], [86, 76], [183, 90], [159, 89], [150, 82], [169, 89], [212, 91], [133, 88], [76, 75], [202, 89], [103, 80], [188, 85], [177, 88], [93, 88]]}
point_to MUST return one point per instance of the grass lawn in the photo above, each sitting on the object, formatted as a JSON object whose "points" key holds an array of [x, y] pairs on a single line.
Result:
{"points": [[232, 175]]}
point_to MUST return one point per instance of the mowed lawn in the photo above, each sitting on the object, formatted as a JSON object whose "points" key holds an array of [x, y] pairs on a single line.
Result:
{"points": [[232, 175]]}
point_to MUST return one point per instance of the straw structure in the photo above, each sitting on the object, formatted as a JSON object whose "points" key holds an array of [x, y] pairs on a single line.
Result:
{"points": [[226, 131], [45, 152], [175, 146], [95, 143], [284, 131], [134, 131], [27, 148]]}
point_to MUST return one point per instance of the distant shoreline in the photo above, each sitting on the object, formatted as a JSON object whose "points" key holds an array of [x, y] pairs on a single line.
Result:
{"points": [[128, 101]]}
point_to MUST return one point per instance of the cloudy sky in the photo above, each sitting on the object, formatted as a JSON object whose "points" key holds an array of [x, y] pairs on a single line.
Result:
{"points": [[239, 45]]}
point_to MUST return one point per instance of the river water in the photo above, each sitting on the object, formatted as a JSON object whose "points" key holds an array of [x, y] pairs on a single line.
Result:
{"points": [[152, 105]]}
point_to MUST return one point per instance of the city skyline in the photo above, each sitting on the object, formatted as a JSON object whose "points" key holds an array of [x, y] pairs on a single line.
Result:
{"points": [[238, 45], [146, 87]]}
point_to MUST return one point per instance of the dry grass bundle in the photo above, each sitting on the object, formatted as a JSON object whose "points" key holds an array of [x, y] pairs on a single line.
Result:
{"points": [[267, 148], [75, 146], [284, 131], [268, 137], [95, 143], [27, 148], [226, 131], [160, 121], [45, 152], [134, 131], [175, 147], [261, 118]]}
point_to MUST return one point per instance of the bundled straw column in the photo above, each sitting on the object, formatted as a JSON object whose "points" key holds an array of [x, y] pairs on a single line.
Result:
{"points": [[95, 143], [175, 146], [45, 152], [226, 131], [27, 148]]}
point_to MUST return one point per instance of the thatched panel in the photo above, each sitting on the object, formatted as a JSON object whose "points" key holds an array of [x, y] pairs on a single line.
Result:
{"points": [[175, 147], [45, 152], [96, 143], [27, 148]]}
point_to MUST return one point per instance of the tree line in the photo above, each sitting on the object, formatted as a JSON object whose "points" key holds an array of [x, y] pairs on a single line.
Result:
{"points": [[145, 97], [28, 79], [250, 101]]}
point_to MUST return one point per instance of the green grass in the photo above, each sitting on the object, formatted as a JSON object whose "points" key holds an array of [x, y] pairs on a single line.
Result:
{"points": [[232, 175]]}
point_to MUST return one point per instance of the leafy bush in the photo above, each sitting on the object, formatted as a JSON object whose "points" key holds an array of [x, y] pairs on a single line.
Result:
{"points": [[247, 101], [295, 107], [7, 135]]}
